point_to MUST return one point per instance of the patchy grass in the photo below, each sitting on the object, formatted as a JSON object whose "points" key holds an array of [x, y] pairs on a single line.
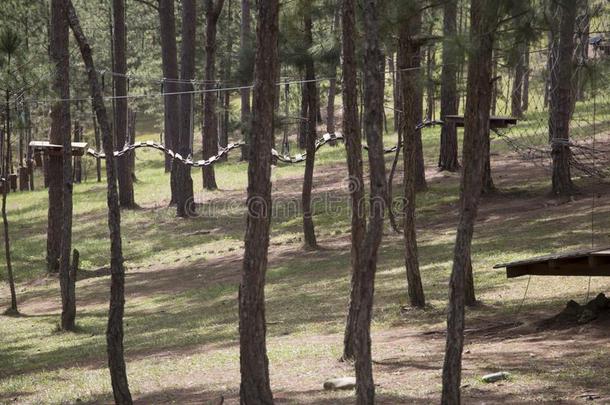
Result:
{"points": [[182, 277]]}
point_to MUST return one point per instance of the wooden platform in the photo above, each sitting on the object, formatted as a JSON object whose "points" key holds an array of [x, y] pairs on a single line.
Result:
{"points": [[494, 122], [590, 262], [78, 148]]}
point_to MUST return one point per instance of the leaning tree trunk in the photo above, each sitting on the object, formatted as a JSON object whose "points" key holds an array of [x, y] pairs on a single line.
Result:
{"points": [[126, 195], [210, 119], [476, 129], [408, 55], [373, 129], [60, 58], [183, 180], [114, 331], [448, 159], [561, 97], [245, 70], [353, 146], [169, 61], [255, 385], [309, 231]]}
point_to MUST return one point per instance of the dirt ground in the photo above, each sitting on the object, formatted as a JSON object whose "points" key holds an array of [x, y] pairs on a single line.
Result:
{"points": [[562, 364]]}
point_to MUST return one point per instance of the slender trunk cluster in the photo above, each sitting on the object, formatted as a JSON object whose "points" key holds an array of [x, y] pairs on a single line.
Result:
{"points": [[476, 131], [361, 305], [255, 385], [114, 331]]}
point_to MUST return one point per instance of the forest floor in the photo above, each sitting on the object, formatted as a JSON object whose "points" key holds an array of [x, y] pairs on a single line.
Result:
{"points": [[181, 293]]}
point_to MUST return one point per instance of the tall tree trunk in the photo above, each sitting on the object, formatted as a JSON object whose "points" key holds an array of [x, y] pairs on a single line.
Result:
{"points": [[183, 180], [62, 77], [478, 107], [210, 120], [309, 232], [226, 95], [448, 159], [420, 168], [353, 146], [561, 95], [408, 58], [245, 70], [126, 196], [4, 170], [114, 331], [169, 61], [332, 83], [60, 123], [255, 385], [373, 129]]}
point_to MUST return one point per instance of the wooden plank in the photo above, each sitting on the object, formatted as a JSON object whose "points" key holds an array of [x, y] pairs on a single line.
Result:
{"points": [[561, 255], [78, 148], [494, 121], [572, 266]]}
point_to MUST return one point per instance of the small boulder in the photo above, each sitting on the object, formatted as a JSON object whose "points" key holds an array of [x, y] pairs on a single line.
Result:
{"points": [[490, 378], [342, 383]]}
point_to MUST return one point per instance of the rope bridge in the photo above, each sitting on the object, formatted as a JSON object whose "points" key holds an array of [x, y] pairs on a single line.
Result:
{"points": [[301, 157]]}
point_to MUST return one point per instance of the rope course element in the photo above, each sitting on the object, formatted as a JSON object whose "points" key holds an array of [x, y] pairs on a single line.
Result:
{"points": [[155, 145], [326, 138]]}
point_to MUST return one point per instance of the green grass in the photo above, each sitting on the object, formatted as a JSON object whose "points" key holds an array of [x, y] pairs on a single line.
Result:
{"points": [[181, 295]]}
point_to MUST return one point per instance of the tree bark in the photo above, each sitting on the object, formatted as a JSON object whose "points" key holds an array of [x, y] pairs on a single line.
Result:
{"points": [[517, 92], [183, 180], [309, 231], [353, 146], [408, 57], [169, 61], [126, 195], [332, 83], [561, 95], [448, 159], [60, 123], [114, 331], [210, 120], [66, 280], [476, 129], [304, 119], [245, 70], [373, 129], [255, 385], [526, 81]]}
